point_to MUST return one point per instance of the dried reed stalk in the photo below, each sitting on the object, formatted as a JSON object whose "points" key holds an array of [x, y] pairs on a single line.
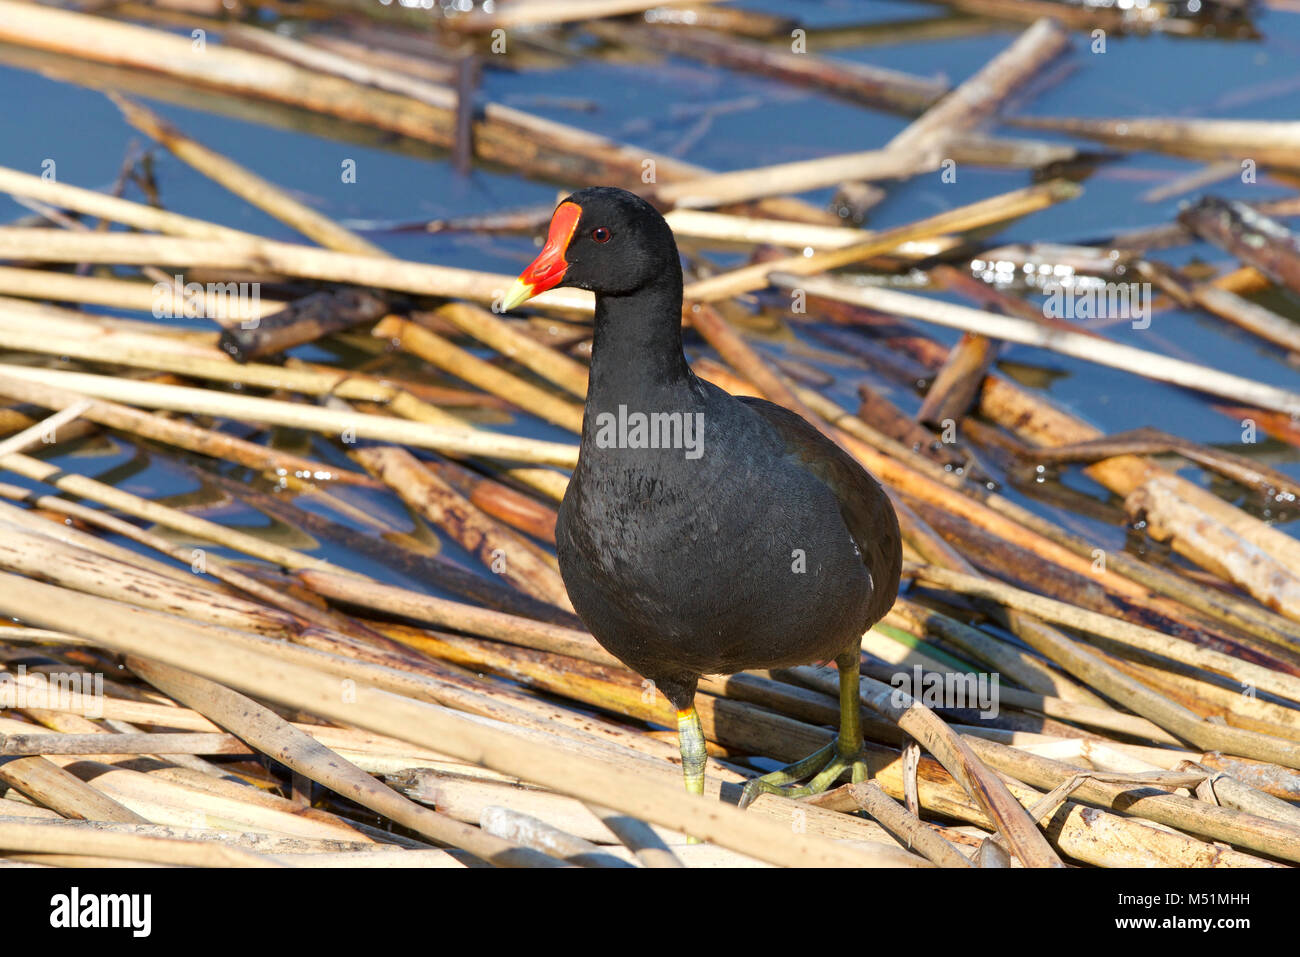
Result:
{"points": [[266, 731], [187, 647], [455, 441]]}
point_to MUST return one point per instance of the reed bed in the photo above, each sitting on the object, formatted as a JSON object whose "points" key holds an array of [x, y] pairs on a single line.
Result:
{"points": [[185, 690]]}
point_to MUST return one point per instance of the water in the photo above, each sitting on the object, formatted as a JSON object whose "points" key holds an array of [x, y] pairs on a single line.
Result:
{"points": [[657, 105]]}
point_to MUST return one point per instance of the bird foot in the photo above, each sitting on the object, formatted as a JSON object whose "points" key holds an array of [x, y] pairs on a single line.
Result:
{"points": [[825, 766]]}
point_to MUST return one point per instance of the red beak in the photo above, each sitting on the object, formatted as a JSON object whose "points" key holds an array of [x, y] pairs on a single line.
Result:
{"points": [[546, 271]]}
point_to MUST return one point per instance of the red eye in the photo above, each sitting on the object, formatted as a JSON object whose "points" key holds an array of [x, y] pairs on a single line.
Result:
{"points": [[600, 234]]}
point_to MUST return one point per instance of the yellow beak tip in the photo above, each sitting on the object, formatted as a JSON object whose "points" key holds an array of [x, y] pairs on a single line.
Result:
{"points": [[518, 293]]}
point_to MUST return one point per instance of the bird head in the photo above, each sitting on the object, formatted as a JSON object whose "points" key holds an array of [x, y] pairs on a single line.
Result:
{"points": [[604, 239]]}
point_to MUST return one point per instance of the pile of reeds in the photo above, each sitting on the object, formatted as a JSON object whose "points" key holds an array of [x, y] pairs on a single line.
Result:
{"points": [[222, 695]]}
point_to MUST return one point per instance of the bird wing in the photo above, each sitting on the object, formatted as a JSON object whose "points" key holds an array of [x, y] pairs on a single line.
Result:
{"points": [[865, 507]]}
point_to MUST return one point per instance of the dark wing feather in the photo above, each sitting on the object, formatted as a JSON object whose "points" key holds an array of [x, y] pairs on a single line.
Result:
{"points": [[865, 507]]}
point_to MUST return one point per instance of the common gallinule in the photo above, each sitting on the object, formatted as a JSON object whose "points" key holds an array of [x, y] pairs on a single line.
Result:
{"points": [[704, 533]]}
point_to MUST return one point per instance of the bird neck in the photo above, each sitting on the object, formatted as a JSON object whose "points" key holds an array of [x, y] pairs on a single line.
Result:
{"points": [[636, 351]]}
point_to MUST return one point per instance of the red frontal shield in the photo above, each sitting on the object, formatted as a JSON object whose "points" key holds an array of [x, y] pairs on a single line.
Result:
{"points": [[549, 267]]}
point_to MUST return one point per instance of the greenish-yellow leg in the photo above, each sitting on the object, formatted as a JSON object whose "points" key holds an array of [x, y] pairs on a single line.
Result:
{"points": [[690, 736], [826, 765]]}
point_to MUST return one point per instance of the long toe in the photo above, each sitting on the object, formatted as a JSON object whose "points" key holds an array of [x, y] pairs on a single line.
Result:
{"points": [[823, 768]]}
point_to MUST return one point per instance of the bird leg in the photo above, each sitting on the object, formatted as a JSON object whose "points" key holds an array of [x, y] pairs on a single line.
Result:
{"points": [[828, 764], [690, 735]]}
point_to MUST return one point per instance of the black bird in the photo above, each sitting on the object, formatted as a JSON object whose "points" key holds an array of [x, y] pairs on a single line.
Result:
{"points": [[704, 533]]}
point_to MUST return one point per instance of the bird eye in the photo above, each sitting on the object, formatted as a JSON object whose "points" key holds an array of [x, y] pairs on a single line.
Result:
{"points": [[600, 234]]}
